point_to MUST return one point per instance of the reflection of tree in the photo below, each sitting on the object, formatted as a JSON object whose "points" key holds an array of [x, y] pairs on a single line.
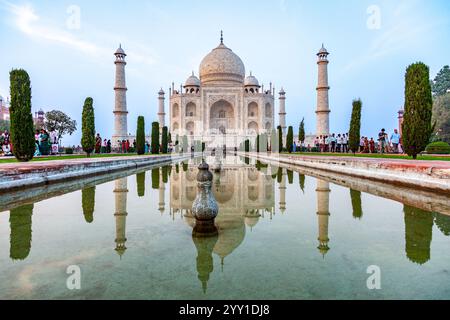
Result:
{"points": [[302, 178], [165, 173], [280, 175], [177, 168], [260, 165], [185, 166], [443, 223], [418, 234], [88, 203], [140, 181], [20, 224], [290, 175], [356, 204], [155, 179], [205, 262]]}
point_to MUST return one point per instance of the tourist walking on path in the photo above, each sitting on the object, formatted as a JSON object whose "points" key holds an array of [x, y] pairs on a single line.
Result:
{"points": [[395, 139], [44, 143], [382, 136], [98, 143]]}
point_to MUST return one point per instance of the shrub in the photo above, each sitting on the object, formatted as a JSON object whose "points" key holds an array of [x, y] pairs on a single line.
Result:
{"points": [[68, 151], [438, 148]]}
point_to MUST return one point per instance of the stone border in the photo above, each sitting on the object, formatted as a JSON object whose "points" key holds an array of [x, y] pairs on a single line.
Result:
{"points": [[19, 176], [426, 175]]}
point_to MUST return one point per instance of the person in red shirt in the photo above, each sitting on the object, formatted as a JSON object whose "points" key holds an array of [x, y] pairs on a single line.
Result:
{"points": [[127, 145]]}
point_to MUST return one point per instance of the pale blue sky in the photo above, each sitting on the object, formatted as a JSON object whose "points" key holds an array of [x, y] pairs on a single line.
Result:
{"points": [[277, 40]]}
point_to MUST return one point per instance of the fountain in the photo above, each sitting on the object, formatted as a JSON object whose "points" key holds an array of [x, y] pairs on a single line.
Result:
{"points": [[205, 208]]}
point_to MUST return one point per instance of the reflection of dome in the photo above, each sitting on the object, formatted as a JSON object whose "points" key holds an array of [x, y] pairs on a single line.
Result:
{"points": [[192, 81], [223, 193], [251, 81], [231, 234], [222, 65], [251, 222]]}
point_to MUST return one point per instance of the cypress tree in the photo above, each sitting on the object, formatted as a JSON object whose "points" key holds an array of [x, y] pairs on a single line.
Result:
{"points": [[165, 140], [140, 136], [280, 139], [88, 127], [417, 128], [301, 131], [22, 127], [257, 143], [290, 139], [155, 138], [355, 126], [88, 203]]}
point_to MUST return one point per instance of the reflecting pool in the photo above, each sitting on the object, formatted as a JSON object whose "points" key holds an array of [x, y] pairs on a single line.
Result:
{"points": [[283, 234]]}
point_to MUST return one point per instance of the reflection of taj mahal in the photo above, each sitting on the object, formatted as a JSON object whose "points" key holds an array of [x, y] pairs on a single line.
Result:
{"points": [[222, 103]]}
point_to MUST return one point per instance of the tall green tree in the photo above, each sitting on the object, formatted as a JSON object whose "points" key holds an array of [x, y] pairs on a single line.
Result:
{"points": [[355, 126], [258, 138], [155, 178], [165, 140], [417, 128], [290, 139], [155, 138], [301, 132], [88, 127], [441, 117], [88, 203], [22, 127], [441, 83], [280, 139], [140, 136], [59, 122]]}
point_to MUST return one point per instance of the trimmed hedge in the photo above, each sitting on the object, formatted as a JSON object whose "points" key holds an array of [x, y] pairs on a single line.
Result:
{"points": [[439, 147]]}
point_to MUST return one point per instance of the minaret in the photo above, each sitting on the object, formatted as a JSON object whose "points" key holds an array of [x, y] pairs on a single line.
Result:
{"points": [[161, 112], [282, 189], [323, 109], [120, 194], [282, 113], [323, 202], [120, 109]]}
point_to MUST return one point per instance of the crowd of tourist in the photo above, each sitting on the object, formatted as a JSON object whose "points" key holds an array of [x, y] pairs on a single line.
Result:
{"points": [[339, 143]]}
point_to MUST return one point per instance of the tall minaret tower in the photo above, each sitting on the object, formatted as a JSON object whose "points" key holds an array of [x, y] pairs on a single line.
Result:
{"points": [[323, 108], [120, 109], [120, 195], [282, 113], [323, 213], [161, 112]]}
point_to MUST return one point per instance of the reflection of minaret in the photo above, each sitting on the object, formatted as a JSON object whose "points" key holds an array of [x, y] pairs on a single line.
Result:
{"points": [[282, 187], [205, 262], [20, 224], [323, 202], [162, 189], [120, 193]]}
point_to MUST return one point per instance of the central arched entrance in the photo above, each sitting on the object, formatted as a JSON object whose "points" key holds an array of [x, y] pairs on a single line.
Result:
{"points": [[222, 116]]}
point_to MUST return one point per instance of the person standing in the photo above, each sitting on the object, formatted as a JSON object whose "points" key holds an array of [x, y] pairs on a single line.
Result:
{"points": [[44, 143], [345, 143], [372, 145], [333, 142], [108, 146], [395, 139], [98, 143], [382, 140]]}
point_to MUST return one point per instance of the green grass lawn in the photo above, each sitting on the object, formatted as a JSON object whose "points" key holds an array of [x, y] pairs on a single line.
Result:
{"points": [[69, 157], [376, 156]]}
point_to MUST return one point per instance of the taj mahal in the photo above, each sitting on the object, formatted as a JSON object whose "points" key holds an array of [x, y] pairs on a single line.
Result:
{"points": [[223, 106]]}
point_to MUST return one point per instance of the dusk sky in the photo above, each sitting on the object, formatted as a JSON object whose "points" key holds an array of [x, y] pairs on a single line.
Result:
{"points": [[69, 59]]}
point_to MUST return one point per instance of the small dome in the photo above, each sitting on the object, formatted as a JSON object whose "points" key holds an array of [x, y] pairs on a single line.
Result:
{"points": [[251, 81], [120, 51], [192, 81], [323, 50], [251, 222], [161, 92]]}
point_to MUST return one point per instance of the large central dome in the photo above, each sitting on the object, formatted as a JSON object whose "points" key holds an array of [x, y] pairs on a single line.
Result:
{"points": [[221, 66]]}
